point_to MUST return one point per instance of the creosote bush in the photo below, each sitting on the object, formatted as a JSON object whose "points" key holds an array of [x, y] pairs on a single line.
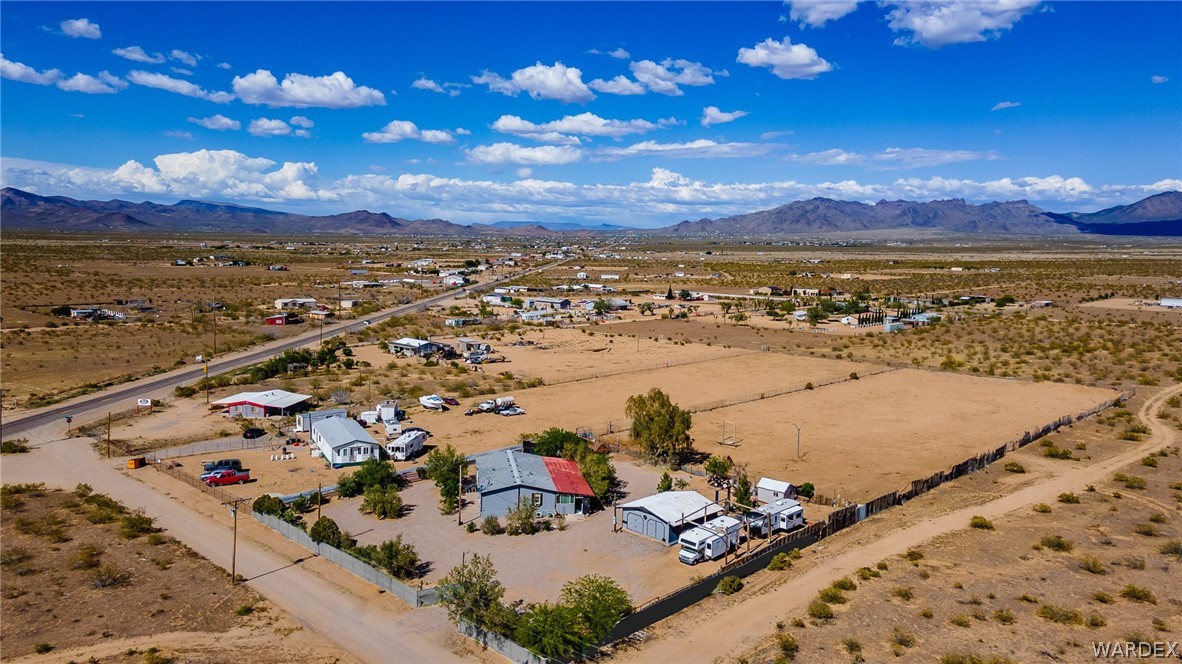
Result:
{"points": [[981, 523]]}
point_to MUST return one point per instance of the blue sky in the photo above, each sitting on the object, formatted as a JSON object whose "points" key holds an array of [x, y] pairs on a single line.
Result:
{"points": [[633, 113]]}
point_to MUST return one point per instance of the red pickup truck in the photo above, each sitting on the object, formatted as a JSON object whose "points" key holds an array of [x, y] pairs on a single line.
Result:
{"points": [[228, 476]]}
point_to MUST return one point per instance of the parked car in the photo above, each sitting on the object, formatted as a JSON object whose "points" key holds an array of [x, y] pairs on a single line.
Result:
{"points": [[365, 322], [451, 401], [221, 464], [223, 477], [511, 411], [254, 432]]}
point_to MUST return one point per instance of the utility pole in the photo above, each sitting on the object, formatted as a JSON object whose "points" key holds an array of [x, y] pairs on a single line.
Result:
{"points": [[460, 496], [215, 332], [319, 499], [108, 435], [234, 546], [797, 439], [205, 370]]}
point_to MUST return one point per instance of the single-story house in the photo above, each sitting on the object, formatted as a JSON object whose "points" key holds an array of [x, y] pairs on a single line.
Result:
{"points": [[263, 404], [768, 490], [554, 485], [767, 290], [498, 300], [552, 303], [320, 314], [304, 421], [294, 302], [419, 347], [466, 345], [536, 315], [454, 280], [665, 515], [343, 442], [461, 322], [609, 277], [280, 319]]}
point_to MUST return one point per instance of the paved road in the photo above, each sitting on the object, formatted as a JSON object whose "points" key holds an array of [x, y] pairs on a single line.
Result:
{"points": [[102, 402], [369, 630]]}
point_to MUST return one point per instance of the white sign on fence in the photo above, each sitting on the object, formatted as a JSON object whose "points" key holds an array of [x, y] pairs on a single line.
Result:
{"points": [[143, 403]]}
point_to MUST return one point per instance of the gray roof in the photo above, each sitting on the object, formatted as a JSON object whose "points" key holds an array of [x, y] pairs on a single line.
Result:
{"points": [[676, 507], [506, 468], [340, 432]]}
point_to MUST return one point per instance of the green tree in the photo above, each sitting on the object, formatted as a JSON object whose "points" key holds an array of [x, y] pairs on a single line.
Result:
{"points": [[596, 468], [718, 466], [807, 490], [1004, 300], [267, 504], [659, 426], [739, 317], [742, 494], [554, 440], [684, 294], [372, 472], [327, 531], [444, 466], [665, 483], [471, 592], [669, 294], [599, 602], [398, 558], [550, 630], [522, 519], [382, 502], [726, 307], [816, 314], [602, 307]]}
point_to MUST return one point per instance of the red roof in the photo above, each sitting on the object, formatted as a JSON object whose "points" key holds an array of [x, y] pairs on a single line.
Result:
{"points": [[566, 477]]}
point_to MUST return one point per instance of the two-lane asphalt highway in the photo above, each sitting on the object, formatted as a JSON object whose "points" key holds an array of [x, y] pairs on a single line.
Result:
{"points": [[101, 402]]}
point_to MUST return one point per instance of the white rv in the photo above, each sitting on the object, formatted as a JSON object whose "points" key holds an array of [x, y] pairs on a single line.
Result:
{"points": [[780, 516], [407, 445], [710, 540]]}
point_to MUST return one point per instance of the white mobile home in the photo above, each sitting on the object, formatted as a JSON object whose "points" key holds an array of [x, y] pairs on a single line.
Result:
{"points": [[407, 445], [768, 490], [342, 442], [304, 421], [710, 540]]}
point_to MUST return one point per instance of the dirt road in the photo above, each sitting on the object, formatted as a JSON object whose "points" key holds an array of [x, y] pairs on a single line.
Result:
{"points": [[370, 631], [739, 627]]}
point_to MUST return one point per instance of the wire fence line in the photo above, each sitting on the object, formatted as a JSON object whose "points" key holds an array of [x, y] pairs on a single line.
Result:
{"points": [[174, 471], [217, 445], [573, 378]]}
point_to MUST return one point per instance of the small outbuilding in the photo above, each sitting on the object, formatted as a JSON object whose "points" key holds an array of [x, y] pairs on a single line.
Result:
{"points": [[665, 515], [768, 490], [343, 442], [263, 404], [554, 485], [419, 347], [304, 421]]}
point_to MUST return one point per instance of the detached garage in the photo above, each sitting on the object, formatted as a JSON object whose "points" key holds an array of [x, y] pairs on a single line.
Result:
{"points": [[663, 516]]}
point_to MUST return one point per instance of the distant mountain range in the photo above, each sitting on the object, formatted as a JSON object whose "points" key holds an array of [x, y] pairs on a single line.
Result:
{"points": [[1158, 215]]}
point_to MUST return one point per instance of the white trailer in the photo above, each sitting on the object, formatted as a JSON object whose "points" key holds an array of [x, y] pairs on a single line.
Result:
{"points": [[407, 445], [370, 417], [710, 540], [304, 421], [780, 516], [388, 411]]}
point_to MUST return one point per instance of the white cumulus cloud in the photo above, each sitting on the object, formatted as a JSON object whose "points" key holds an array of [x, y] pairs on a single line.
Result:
{"points": [[137, 54], [217, 122], [833, 157], [785, 59], [427, 84], [922, 157], [936, 23], [176, 85], [1159, 79], [301, 121], [104, 84], [701, 148], [400, 130], [566, 129], [81, 28], [667, 76], [18, 71], [511, 153], [1005, 104], [540, 81], [817, 13], [183, 57], [713, 115], [269, 127], [620, 85], [302, 91]]}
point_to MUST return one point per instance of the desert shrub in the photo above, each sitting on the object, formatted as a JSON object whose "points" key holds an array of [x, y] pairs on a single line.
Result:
{"points": [[1095, 620], [86, 557], [1056, 452], [1172, 548], [962, 658], [399, 559], [865, 573], [960, 620], [820, 611], [1014, 467], [522, 519], [382, 501], [1042, 508], [1092, 564], [1103, 597], [491, 526], [788, 646], [1133, 562], [914, 555], [1004, 616], [108, 576], [1057, 543], [244, 610], [1130, 481], [729, 585], [15, 446], [1059, 614], [832, 595], [42, 648], [1069, 498], [926, 613], [779, 562], [981, 523], [845, 583], [902, 637], [135, 524], [1159, 517], [902, 592], [854, 648], [327, 531], [1138, 594], [1150, 461], [1146, 529], [882, 566]]}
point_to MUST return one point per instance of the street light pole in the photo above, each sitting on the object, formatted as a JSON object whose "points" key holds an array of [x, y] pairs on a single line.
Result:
{"points": [[797, 439]]}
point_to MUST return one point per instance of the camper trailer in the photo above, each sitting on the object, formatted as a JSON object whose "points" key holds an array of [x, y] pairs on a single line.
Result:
{"points": [[780, 516], [407, 445], [709, 541]]}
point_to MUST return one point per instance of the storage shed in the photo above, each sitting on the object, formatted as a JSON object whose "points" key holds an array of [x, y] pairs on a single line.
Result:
{"points": [[664, 515], [554, 485], [768, 490]]}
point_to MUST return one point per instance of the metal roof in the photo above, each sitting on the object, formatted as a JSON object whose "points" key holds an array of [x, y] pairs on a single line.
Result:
{"points": [[781, 505], [774, 485], [676, 507], [268, 399], [341, 432], [508, 468]]}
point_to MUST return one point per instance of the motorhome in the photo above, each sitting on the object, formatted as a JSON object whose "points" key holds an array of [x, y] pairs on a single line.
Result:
{"points": [[780, 516], [407, 445], [710, 540]]}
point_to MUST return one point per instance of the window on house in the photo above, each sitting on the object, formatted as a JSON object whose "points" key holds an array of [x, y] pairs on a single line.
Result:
{"points": [[537, 497], [565, 500]]}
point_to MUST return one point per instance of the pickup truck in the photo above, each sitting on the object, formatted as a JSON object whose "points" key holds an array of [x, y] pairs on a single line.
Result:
{"points": [[221, 464], [223, 477]]}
